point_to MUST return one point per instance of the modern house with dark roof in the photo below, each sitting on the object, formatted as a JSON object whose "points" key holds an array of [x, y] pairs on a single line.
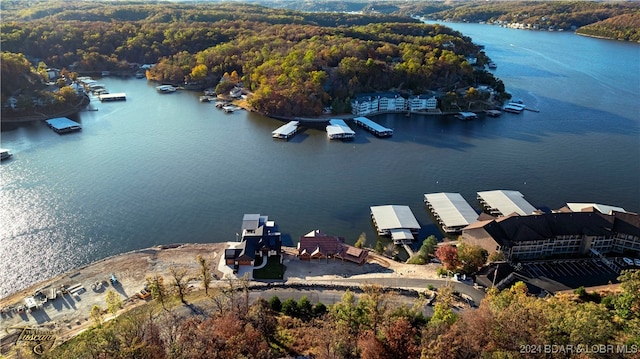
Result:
{"points": [[259, 238], [557, 234], [316, 245]]}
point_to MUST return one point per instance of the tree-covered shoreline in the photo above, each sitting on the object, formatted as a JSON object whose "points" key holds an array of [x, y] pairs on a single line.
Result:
{"points": [[294, 64], [617, 20]]}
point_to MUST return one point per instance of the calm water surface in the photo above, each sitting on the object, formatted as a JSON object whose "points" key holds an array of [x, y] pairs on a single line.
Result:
{"points": [[161, 169]]}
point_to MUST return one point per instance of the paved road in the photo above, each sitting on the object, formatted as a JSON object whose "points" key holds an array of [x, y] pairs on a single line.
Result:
{"points": [[412, 283]]}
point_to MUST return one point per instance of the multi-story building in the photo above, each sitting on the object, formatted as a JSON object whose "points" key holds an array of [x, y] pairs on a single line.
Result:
{"points": [[557, 234], [379, 103], [422, 103]]}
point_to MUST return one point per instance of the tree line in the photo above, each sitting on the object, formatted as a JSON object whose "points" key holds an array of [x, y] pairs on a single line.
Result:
{"points": [[294, 63], [510, 324]]}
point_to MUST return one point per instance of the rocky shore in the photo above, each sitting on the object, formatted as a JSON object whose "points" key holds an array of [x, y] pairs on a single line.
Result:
{"points": [[68, 314]]}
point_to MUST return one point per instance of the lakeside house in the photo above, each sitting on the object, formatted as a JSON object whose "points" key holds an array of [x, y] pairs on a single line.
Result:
{"points": [[259, 238], [316, 245]]}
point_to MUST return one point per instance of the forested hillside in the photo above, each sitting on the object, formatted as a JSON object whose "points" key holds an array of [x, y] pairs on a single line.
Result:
{"points": [[623, 27], [294, 63], [507, 324], [556, 15]]}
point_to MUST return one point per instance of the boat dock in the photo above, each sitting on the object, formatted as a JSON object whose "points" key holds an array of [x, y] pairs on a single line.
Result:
{"points": [[373, 127], [286, 131], [466, 116], [121, 96], [395, 221], [502, 203], [338, 129], [63, 125], [451, 211], [493, 113]]}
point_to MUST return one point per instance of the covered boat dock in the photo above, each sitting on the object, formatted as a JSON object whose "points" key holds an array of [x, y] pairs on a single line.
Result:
{"points": [[502, 203], [466, 116], [373, 127], [286, 131], [395, 221], [338, 129], [63, 125], [451, 210], [121, 96]]}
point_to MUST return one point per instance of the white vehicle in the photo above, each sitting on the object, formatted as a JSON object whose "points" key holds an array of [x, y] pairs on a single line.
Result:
{"points": [[628, 261], [637, 262]]}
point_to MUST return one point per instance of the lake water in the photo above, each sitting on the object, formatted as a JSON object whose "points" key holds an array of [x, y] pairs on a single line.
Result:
{"points": [[160, 169]]}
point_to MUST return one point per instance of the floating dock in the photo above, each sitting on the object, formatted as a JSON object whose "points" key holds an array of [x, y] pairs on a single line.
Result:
{"points": [[63, 125], [286, 131], [338, 130], [502, 203], [493, 113], [113, 97], [373, 127], [466, 116], [451, 211], [395, 221]]}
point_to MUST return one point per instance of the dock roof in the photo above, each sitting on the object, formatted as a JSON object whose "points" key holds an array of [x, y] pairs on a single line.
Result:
{"points": [[507, 202], [287, 129], [394, 217], [371, 124], [602, 208], [452, 208], [62, 123], [339, 129]]}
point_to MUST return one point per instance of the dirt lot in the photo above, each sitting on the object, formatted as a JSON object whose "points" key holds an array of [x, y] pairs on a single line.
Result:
{"points": [[69, 314]]}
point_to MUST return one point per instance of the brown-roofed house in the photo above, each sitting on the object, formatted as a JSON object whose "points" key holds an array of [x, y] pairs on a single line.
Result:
{"points": [[317, 245]]}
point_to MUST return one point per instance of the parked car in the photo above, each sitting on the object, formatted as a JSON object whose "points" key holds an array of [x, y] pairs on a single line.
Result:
{"points": [[143, 293], [113, 279], [637, 262], [628, 261]]}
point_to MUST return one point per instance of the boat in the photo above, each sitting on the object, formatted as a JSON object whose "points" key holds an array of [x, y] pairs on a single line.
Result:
{"points": [[166, 88], [493, 66], [206, 98], [5, 154]]}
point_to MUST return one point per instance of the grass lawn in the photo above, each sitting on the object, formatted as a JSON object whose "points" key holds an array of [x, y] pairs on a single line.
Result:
{"points": [[273, 269]]}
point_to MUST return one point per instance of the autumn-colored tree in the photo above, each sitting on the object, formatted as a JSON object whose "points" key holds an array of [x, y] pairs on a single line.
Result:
{"points": [[371, 347], [448, 255], [374, 305], [199, 72], [263, 319], [402, 340], [471, 257]]}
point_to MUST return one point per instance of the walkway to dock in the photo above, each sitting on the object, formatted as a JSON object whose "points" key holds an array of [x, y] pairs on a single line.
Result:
{"points": [[408, 249]]}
